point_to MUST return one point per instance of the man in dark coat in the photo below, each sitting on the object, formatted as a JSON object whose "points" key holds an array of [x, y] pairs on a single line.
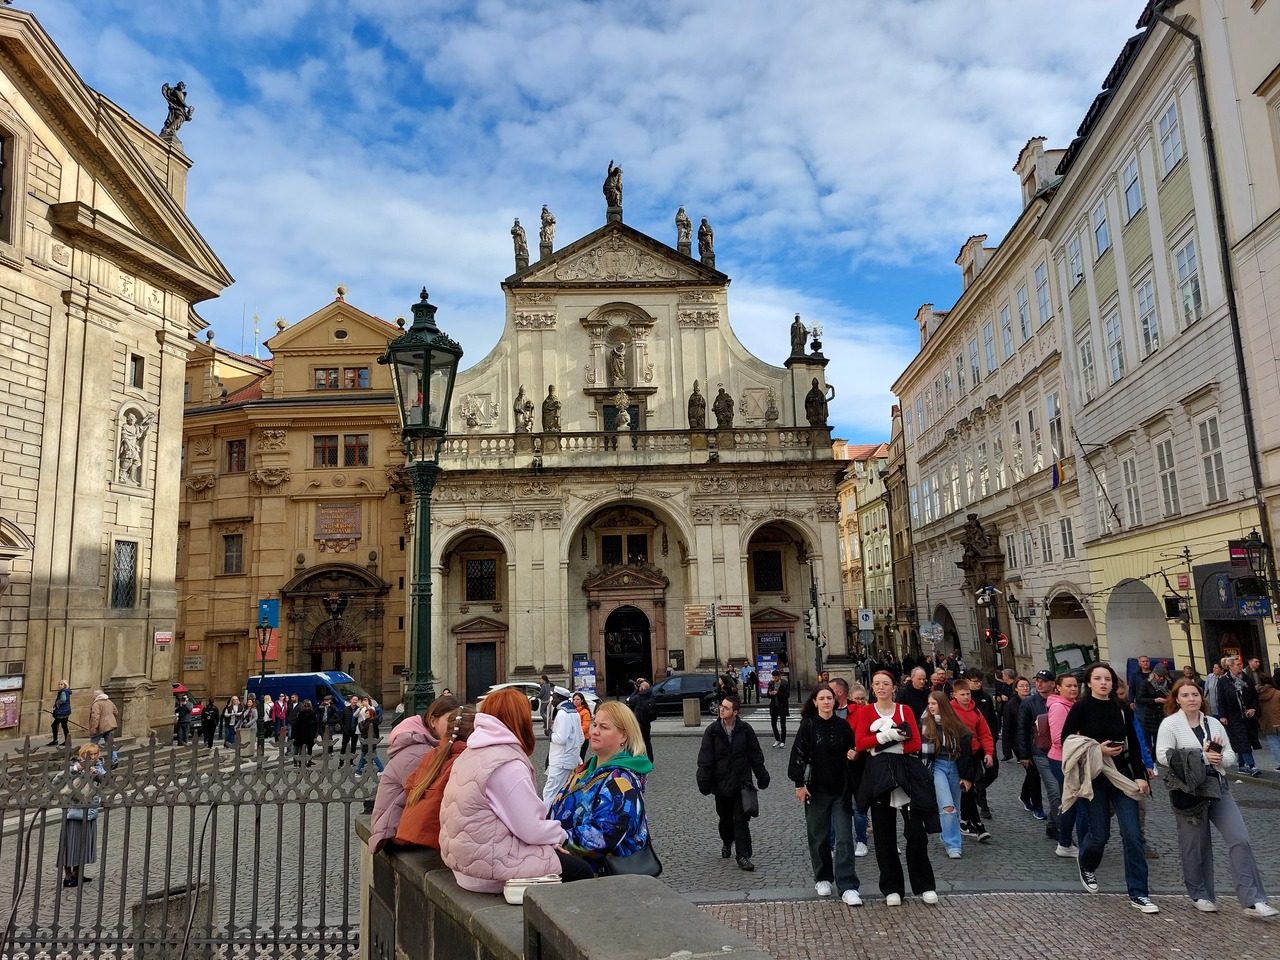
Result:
{"points": [[642, 705], [779, 709], [914, 694], [730, 753]]}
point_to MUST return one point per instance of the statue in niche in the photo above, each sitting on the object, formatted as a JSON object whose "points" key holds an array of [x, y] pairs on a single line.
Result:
{"points": [[697, 409], [618, 366], [523, 410], [551, 411], [547, 234], [179, 112], [706, 240], [799, 334], [521, 244], [133, 433], [684, 228], [613, 186], [815, 403], [723, 409]]}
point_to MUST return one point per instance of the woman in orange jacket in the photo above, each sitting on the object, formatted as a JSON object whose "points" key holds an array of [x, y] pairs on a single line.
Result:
{"points": [[584, 714], [420, 822]]}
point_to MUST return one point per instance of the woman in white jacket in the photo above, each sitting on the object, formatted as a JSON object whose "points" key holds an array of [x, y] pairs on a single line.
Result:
{"points": [[1186, 726]]}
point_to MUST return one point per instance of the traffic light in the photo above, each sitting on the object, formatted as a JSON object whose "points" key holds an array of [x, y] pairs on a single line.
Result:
{"points": [[988, 636], [811, 622]]}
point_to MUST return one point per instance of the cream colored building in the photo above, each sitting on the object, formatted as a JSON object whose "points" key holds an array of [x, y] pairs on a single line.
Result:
{"points": [[906, 625], [1155, 374], [598, 524], [991, 484], [99, 270], [868, 566], [293, 490]]}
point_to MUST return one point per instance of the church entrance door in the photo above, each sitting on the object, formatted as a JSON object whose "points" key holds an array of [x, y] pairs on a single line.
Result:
{"points": [[627, 654]]}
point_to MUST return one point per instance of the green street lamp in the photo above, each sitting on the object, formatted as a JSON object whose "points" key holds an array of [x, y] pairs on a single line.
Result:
{"points": [[424, 364], [264, 641]]}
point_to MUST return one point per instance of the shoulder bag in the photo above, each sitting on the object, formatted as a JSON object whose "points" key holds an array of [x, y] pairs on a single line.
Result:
{"points": [[750, 802], [644, 862]]}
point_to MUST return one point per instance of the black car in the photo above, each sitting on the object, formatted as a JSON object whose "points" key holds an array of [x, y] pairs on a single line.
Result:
{"points": [[670, 694]]}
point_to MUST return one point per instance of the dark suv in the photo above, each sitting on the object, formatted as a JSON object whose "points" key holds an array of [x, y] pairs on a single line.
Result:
{"points": [[670, 694]]}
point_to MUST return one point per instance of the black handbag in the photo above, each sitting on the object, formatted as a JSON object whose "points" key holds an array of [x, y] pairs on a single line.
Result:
{"points": [[644, 862], [750, 802]]}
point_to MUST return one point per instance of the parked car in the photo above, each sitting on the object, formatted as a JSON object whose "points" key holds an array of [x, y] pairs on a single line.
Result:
{"points": [[530, 690], [309, 686], [670, 694]]}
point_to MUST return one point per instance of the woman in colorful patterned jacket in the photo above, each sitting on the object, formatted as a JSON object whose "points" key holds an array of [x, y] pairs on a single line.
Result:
{"points": [[602, 806]]}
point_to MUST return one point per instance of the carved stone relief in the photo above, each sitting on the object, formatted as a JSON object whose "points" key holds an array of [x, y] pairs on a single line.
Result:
{"points": [[203, 446], [535, 321], [479, 410], [615, 259], [272, 440], [523, 521], [697, 296], [698, 318], [270, 476]]}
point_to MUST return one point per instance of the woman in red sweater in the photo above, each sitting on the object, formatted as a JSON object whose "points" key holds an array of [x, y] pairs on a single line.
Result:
{"points": [[984, 750], [893, 781]]}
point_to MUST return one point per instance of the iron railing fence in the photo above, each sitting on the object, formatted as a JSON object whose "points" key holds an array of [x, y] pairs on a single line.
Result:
{"points": [[199, 853]]}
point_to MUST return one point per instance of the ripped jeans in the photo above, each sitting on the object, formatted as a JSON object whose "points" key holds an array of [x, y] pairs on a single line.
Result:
{"points": [[946, 784]]}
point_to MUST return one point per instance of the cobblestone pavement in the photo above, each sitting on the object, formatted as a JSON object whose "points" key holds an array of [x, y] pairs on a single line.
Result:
{"points": [[1020, 858]]}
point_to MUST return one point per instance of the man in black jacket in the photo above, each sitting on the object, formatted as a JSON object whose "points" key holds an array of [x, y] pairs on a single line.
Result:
{"points": [[730, 753], [1034, 705], [642, 705], [350, 729], [914, 694]]}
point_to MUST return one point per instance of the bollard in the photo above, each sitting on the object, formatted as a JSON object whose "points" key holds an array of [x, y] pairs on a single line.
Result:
{"points": [[692, 712]]}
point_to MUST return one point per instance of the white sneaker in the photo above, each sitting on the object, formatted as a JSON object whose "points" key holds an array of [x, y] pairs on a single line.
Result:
{"points": [[1206, 906], [1068, 852], [860, 850], [893, 900], [953, 854], [824, 888], [852, 898], [1262, 909], [929, 896]]}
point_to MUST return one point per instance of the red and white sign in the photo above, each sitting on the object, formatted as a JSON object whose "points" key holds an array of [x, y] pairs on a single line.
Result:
{"points": [[1184, 581], [164, 638]]}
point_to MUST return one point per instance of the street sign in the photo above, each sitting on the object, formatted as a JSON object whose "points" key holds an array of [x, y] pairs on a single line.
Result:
{"points": [[729, 610], [865, 621], [1002, 641], [697, 620], [164, 638], [1184, 581]]}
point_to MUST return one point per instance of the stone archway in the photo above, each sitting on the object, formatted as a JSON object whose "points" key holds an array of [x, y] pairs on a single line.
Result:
{"points": [[626, 649], [328, 634], [1136, 623]]}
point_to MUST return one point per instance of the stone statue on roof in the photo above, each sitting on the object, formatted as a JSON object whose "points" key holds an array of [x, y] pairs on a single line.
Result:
{"points": [[179, 112], [613, 186]]}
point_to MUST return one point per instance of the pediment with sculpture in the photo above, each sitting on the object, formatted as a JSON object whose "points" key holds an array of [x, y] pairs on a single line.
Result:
{"points": [[617, 253], [630, 576]]}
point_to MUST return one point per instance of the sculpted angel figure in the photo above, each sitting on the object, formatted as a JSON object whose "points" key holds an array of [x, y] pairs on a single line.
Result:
{"points": [[179, 112], [133, 432], [613, 186]]}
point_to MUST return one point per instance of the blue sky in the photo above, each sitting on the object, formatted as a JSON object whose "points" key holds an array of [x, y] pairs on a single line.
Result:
{"points": [[843, 151]]}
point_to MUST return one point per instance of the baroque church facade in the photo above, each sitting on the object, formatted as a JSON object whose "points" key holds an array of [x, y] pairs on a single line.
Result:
{"points": [[624, 483]]}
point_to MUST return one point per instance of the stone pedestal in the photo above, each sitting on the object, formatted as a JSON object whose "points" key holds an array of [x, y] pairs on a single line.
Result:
{"points": [[685, 247], [133, 698], [522, 263], [613, 215], [708, 260], [544, 251]]}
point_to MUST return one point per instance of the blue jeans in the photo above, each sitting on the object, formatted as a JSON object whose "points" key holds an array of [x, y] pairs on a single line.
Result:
{"points": [[821, 813], [1098, 814], [367, 752], [1070, 822], [946, 784], [1245, 760], [859, 825], [1273, 741]]}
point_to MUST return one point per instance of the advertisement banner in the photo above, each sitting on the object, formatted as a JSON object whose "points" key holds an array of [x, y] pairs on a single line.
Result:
{"points": [[584, 676], [766, 667]]}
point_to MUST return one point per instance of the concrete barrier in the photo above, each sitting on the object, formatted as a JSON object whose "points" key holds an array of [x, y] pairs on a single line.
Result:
{"points": [[413, 909]]}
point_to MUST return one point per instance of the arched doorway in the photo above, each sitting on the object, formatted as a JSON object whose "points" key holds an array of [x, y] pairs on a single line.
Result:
{"points": [[627, 655], [335, 614], [950, 641], [1136, 623]]}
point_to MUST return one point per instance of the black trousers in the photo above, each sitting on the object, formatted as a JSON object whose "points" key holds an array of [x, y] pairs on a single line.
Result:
{"points": [[734, 826], [61, 722], [1031, 788], [778, 721], [573, 868], [884, 823]]}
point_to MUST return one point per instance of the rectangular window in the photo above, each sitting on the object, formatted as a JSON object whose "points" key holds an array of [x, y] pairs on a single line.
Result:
{"points": [[1188, 283], [136, 371], [1215, 480], [186, 392], [1028, 548], [1075, 260], [1088, 372], [1170, 137], [1011, 551], [482, 580], [1053, 416], [984, 471], [233, 553], [1046, 544], [638, 548], [975, 374], [955, 486], [937, 397], [1015, 444], [355, 378], [1132, 497], [928, 410], [124, 574], [997, 455], [908, 427], [1024, 313], [915, 507], [1132, 188], [326, 378], [611, 550], [1068, 536], [324, 451], [970, 481], [925, 495], [946, 387], [1042, 293], [1168, 477], [1006, 331], [766, 571], [1144, 295], [355, 450], [1115, 348], [920, 414], [989, 346], [948, 502], [1101, 232], [237, 456], [1034, 439], [960, 388]]}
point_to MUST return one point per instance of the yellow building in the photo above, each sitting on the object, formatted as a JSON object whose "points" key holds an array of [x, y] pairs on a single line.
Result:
{"points": [[293, 489]]}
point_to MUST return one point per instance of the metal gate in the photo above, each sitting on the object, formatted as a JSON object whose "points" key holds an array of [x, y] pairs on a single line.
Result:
{"points": [[199, 853]]}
